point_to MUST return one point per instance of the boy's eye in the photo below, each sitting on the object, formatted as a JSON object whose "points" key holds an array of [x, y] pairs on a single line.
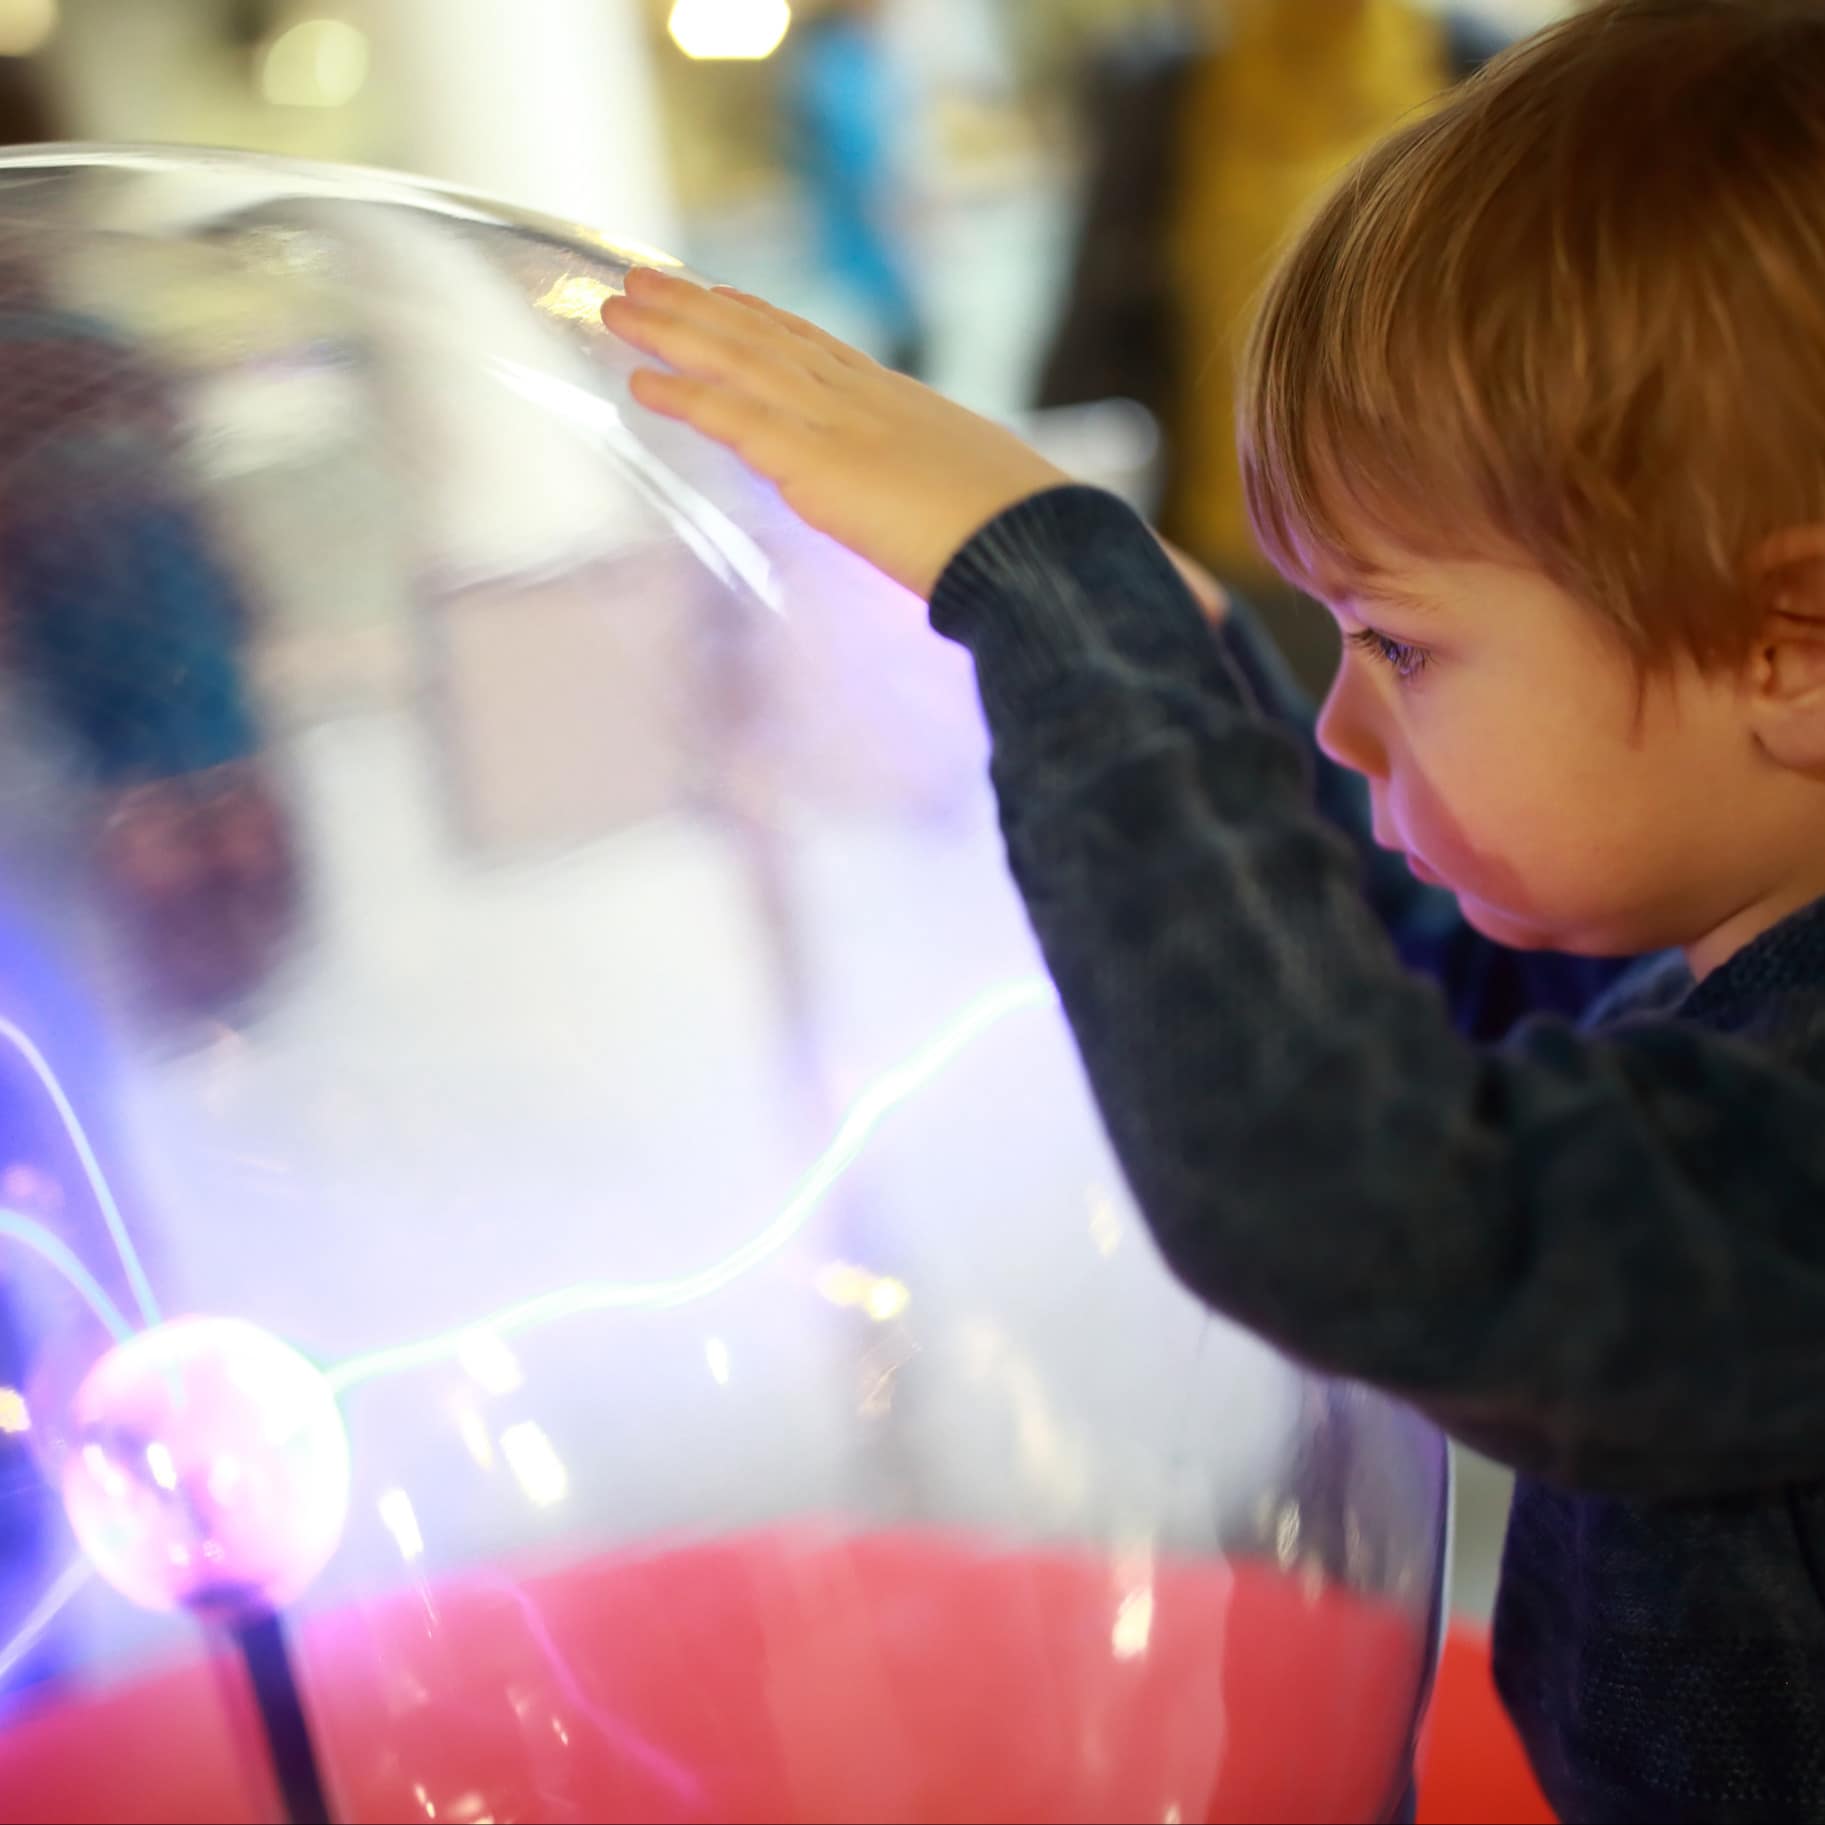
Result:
{"points": [[1406, 662]]}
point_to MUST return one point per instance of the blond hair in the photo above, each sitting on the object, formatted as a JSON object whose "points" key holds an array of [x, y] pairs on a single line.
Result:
{"points": [[1575, 317]]}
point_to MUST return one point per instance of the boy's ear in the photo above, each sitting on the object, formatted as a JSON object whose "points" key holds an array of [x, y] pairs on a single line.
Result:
{"points": [[1785, 675]]}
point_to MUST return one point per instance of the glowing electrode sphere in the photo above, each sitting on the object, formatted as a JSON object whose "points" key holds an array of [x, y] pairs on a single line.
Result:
{"points": [[208, 1469]]}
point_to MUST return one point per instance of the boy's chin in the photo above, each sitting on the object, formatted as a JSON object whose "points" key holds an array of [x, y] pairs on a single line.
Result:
{"points": [[1531, 934], [1516, 933]]}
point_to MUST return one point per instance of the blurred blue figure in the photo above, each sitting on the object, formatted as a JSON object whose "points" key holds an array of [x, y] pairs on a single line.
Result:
{"points": [[121, 622], [844, 108]]}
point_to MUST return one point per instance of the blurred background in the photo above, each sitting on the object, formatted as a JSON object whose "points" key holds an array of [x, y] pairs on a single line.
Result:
{"points": [[1056, 210], [768, 142]]}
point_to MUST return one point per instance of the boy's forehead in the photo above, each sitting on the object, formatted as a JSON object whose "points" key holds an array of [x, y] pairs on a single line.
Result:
{"points": [[1385, 579], [1377, 552], [1356, 558]]}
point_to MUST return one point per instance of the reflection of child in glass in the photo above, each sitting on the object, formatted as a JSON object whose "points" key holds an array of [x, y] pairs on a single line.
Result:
{"points": [[118, 613], [1536, 404]]}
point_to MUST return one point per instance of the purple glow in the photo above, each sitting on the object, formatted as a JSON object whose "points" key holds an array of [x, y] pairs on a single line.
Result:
{"points": [[85, 1154], [43, 1241]]}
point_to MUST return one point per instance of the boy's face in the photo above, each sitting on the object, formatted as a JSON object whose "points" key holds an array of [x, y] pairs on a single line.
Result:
{"points": [[1515, 757]]}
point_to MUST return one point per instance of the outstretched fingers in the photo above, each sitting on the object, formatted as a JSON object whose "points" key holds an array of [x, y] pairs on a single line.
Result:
{"points": [[734, 341], [764, 436], [797, 327]]}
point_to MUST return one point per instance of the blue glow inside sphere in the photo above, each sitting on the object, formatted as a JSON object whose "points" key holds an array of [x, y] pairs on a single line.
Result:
{"points": [[490, 900]]}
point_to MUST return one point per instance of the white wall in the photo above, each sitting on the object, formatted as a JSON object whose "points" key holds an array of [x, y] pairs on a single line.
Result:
{"points": [[548, 103]]}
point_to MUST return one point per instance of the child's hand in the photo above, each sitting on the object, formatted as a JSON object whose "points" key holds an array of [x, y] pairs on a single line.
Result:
{"points": [[896, 472]]}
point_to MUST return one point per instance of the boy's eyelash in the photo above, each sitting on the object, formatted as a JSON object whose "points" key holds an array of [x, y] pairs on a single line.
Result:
{"points": [[1406, 662]]}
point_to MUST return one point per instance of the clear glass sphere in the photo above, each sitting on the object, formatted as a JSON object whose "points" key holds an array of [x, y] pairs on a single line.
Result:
{"points": [[489, 900]]}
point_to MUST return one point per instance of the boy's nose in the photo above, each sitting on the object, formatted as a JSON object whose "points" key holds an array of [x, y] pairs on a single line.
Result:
{"points": [[1346, 728]]}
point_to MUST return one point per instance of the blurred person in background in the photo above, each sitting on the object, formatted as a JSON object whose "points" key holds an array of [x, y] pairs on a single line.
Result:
{"points": [[1211, 130], [124, 628], [847, 116], [124, 624]]}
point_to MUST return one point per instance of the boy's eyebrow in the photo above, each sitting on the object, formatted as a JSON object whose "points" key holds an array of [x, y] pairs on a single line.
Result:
{"points": [[1363, 602]]}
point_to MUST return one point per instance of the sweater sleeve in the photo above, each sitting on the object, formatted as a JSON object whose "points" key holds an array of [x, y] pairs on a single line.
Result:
{"points": [[1596, 1258]]}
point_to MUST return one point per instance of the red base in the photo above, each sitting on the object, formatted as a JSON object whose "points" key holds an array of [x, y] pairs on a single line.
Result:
{"points": [[794, 1678], [1473, 1770]]}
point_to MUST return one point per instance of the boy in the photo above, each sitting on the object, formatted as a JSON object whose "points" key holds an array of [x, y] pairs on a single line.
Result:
{"points": [[1537, 405]]}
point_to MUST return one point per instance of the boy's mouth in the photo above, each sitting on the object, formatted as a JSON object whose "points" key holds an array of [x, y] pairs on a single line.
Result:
{"points": [[1418, 868]]}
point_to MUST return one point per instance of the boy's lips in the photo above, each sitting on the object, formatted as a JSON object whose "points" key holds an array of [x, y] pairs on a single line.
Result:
{"points": [[1416, 864]]}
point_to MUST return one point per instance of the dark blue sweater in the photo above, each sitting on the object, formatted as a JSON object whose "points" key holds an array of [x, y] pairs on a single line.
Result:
{"points": [[1593, 1247]]}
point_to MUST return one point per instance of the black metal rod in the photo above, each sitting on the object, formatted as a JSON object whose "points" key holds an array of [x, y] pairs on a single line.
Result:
{"points": [[261, 1639]]}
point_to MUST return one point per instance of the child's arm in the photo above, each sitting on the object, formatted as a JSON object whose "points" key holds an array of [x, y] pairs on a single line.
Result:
{"points": [[1601, 1260], [1488, 986]]}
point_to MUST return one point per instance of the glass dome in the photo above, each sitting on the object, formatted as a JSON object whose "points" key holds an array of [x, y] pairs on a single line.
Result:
{"points": [[533, 1134]]}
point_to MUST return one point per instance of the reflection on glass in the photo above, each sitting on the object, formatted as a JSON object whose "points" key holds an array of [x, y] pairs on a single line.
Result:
{"points": [[400, 1519], [535, 1463]]}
